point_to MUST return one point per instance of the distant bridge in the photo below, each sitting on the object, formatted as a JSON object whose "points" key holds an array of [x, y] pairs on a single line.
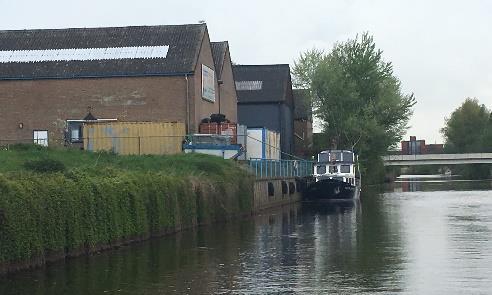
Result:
{"points": [[437, 159]]}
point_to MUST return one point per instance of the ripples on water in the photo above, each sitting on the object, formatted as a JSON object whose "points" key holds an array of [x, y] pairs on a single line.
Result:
{"points": [[417, 238]]}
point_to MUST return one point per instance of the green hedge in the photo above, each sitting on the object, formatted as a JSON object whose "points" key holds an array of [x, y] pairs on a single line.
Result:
{"points": [[45, 215]]}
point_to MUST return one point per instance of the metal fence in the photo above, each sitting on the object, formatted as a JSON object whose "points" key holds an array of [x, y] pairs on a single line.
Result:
{"points": [[266, 168], [123, 145], [261, 168]]}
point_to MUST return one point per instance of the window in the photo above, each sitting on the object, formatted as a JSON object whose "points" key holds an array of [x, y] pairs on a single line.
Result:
{"points": [[321, 169], [345, 168], [335, 156], [41, 137], [323, 157], [76, 134], [75, 131], [348, 157], [333, 169]]}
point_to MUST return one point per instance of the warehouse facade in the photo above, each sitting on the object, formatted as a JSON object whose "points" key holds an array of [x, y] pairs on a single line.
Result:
{"points": [[51, 81], [265, 99]]}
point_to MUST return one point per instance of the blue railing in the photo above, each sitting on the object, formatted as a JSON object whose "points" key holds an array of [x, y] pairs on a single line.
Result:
{"points": [[266, 168]]}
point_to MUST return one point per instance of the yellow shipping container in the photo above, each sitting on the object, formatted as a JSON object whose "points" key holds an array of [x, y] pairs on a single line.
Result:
{"points": [[134, 138]]}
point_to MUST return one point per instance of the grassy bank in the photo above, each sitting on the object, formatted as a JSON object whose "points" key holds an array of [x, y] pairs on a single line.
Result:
{"points": [[58, 203]]}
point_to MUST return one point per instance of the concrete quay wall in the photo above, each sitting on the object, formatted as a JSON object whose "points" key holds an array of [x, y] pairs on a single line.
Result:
{"points": [[274, 192]]}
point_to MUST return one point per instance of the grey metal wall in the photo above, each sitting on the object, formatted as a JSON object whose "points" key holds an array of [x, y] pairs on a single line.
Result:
{"points": [[276, 117], [259, 115]]}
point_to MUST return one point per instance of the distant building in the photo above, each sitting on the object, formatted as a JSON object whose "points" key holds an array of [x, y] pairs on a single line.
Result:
{"points": [[303, 124], [265, 99], [51, 79], [418, 147]]}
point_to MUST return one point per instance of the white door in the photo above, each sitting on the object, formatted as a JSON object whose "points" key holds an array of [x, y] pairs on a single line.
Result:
{"points": [[41, 137]]}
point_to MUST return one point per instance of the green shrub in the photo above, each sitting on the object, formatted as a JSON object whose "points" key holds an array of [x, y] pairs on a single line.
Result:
{"points": [[26, 147], [45, 165], [89, 207]]}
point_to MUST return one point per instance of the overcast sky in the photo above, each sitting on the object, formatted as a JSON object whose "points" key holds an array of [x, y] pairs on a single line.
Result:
{"points": [[440, 49]]}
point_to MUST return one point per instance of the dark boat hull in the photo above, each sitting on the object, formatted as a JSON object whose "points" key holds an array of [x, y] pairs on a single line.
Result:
{"points": [[331, 189]]}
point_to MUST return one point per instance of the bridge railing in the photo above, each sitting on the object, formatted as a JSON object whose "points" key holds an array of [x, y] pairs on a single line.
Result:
{"points": [[437, 156], [437, 159], [268, 168]]}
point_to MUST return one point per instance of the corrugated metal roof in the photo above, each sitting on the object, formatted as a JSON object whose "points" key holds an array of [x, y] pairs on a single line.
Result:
{"points": [[219, 50], [275, 83], [184, 43]]}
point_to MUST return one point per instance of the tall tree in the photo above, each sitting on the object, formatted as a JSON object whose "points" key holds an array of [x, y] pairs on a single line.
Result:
{"points": [[305, 68], [468, 129], [487, 139], [356, 96]]}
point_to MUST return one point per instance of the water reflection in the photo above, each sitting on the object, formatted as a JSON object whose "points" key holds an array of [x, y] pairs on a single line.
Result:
{"points": [[438, 184], [423, 242]]}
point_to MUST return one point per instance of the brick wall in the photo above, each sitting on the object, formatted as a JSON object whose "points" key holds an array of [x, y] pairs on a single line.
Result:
{"points": [[303, 147], [204, 108], [47, 104], [228, 96]]}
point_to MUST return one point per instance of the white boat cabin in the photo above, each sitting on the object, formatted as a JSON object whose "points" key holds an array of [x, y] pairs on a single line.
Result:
{"points": [[338, 165]]}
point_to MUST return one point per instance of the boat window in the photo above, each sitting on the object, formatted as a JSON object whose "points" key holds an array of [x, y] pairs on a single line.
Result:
{"points": [[345, 168], [323, 157], [321, 169], [333, 169], [335, 156], [348, 157]]}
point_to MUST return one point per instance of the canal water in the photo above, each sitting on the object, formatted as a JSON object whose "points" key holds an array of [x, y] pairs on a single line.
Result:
{"points": [[413, 237]]}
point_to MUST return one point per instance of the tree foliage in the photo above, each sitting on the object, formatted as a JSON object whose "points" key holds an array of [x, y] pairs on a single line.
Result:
{"points": [[356, 96], [469, 128], [305, 68]]}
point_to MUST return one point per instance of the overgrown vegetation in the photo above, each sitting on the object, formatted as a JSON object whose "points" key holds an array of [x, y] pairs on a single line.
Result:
{"points": [[44, 165], [85, 202]]}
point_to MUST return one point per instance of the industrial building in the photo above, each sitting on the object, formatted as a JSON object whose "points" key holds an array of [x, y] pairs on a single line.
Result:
{"points": [[418, 147], [265, 100], [53, 80]]}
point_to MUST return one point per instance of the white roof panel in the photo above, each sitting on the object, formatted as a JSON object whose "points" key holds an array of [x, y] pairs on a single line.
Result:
{"points": [[249, 85], [82, 54]]}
